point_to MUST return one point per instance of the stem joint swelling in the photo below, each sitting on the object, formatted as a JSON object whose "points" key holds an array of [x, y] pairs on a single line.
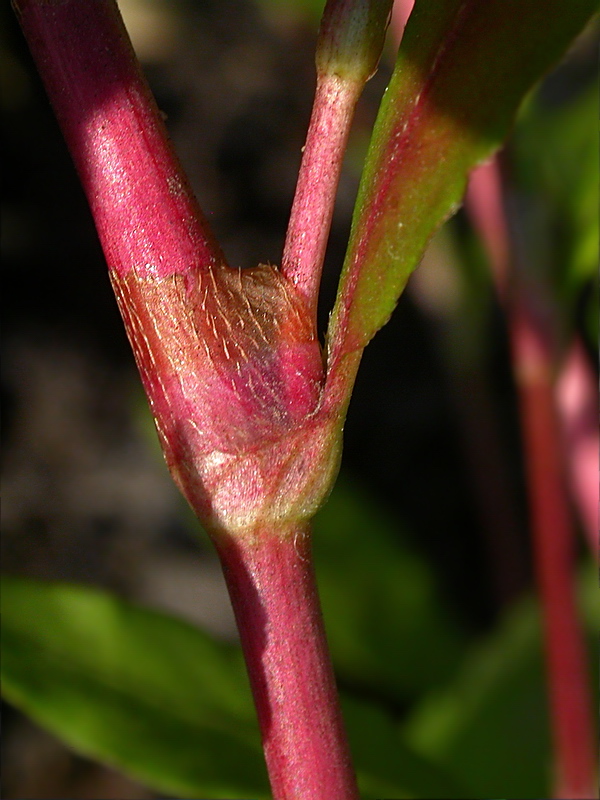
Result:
{"points": [[239, 403]]}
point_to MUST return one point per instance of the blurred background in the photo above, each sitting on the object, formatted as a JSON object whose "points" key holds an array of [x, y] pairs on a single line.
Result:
{"points": [[423, 548]]}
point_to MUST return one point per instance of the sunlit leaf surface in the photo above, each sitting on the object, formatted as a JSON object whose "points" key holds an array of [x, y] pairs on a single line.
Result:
{"points": [[462, 71]]}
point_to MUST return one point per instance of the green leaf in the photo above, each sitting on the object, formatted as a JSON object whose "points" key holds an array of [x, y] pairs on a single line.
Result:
{"points": [[490, 726], [386, 622], [385, 765], [563, 224], [133, 688], [463, 68], [165, 703]]}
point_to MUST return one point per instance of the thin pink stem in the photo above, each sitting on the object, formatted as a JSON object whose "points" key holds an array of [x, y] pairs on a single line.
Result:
{"points": [[570, 698], [144, 210], [312, 209], [576, 392], [551, 522], [272, 587]]}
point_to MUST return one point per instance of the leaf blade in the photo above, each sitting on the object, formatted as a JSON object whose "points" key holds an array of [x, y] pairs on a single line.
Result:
{"points": [[184, 728], [134, 688], [462, 70]]}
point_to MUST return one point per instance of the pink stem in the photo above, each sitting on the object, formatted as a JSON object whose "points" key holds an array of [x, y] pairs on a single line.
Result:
{"points": [[144, 210], [401, 11], [576, 392], [552, 528], [151, 228], [485, 206], [312, 209], [578, 411], [272, 587], [570, 698]]}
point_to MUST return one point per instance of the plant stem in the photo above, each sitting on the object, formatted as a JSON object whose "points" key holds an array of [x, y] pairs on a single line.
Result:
{"points": [[349, 45], [485, 205], [552, 527], [145, 213], [553, 535], [401, 11], [577, 396], [318, 178], [272, 587], [153, 236]]}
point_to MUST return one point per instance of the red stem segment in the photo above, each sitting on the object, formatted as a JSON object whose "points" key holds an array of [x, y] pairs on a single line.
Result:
{"points": [[312, 209], [144, 210], [553, 534], [577, 395], [272, 587], [551, 522], [349, 45]]}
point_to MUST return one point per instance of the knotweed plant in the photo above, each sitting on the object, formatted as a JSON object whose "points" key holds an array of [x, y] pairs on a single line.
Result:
{"points": [[249, 405]]}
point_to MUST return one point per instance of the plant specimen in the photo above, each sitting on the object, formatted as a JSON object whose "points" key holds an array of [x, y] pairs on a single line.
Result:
{"points": [[249, 405]]}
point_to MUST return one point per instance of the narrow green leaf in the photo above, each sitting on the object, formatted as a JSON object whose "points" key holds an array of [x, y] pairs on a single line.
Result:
{"points": [[463, 68], [133, 688]]}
